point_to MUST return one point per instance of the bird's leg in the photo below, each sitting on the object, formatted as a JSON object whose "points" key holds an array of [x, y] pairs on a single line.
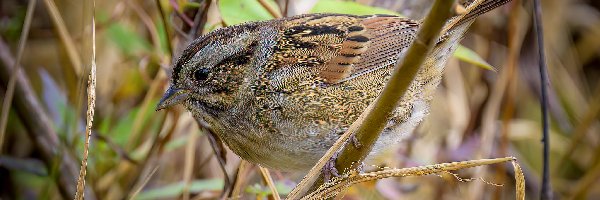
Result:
{"points": [[220, 152]]}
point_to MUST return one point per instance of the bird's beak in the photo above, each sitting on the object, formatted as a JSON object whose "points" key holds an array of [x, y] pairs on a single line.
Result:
{"points": [[172, 97]]}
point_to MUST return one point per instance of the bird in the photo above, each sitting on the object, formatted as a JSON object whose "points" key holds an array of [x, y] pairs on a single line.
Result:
{"points": [[280, 92]]}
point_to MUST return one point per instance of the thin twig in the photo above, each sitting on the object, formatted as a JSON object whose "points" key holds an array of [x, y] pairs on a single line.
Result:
{"points": [[240, 179], [546, 192], [515, 37], [287, 7], [200, 19], [139, 188], [267, 178], [177, 9], [402, 76], [140, 117], [16, 67], [219, 151], [270, 9], [91, 93], [152, 154], [188, 168], [64, 36], [147, 21], [114, 147]]}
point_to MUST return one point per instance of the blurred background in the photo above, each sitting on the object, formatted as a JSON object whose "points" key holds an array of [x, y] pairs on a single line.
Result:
{"points": [[138, 153]]}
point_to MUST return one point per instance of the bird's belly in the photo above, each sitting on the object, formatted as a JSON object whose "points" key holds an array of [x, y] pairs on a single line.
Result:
{"points": [[298, 148]]}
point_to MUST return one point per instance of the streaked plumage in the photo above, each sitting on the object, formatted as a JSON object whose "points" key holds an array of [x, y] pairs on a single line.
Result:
{"points": [[280, 92]]}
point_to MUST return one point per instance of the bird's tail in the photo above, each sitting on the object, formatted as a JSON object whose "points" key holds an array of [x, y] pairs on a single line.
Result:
{"points": [[474, 8]]}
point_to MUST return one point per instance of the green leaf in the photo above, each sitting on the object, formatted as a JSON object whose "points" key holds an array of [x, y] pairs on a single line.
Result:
{"points": [[258, 189], [468, 55], [162, 36], [283, 189], [127, 39], [240, 11], [347, 7], [174, 190], [191, 5]]}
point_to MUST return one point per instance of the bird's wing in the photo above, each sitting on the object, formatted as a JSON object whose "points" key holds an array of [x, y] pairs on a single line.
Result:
{"points": [[341, 47]]}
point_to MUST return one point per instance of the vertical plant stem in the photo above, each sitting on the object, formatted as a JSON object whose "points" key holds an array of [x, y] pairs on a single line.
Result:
{"points": [[137, 190], [16, 67], [139, 121], [270, 9], [190, 155], [91, 93], [241, 178], [64, 36], [164, 22], [546, 192], [147, 21], [267, 178], [514, 46]]}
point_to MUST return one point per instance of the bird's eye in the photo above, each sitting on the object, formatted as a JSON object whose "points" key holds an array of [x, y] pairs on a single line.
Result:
{"points": [[201, 74]]}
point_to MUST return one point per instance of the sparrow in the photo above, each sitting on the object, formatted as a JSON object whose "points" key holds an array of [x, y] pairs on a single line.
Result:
{"points": [[280, 92]]}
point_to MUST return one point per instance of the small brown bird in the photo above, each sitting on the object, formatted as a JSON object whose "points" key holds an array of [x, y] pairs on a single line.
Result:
{"points": [[280, 92]]}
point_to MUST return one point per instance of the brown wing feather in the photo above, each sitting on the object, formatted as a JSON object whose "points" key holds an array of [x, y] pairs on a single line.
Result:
{"points": [[374, 44], [341, 66]]}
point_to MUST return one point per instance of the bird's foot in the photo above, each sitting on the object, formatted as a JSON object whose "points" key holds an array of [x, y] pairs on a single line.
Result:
{"points": [[355, 141], [329, 169]]}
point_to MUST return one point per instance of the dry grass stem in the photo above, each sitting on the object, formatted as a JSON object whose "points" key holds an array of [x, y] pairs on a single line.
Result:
{"points": [[515, 37], [190, 155], [138, 123], [240, 179], [147, 21], [139, 188], [489, 127], [64, 36], [333, 187], [91, 104], [267, 178], [10, 89], [270, 9]]}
